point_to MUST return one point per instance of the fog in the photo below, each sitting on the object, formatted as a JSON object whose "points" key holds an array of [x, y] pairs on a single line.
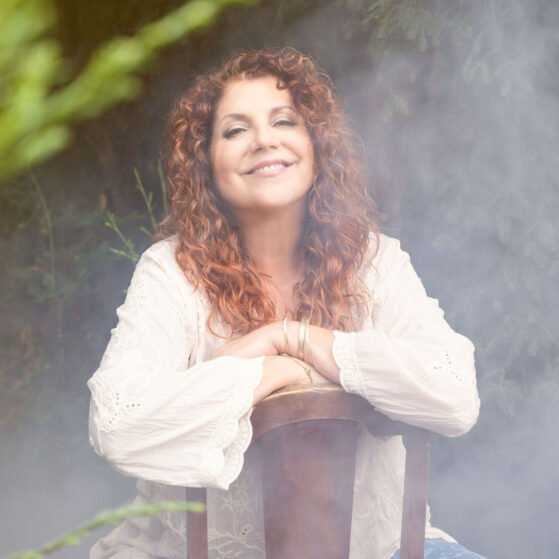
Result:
{"points": [[461, 141]]}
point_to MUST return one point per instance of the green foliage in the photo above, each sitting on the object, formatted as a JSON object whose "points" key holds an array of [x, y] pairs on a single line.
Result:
{"points": [[410, 19], [106, 518], [129, 250], [39, 96], [47, 285], [50, 276], [393, 26], [57, 262], [50, 295]]}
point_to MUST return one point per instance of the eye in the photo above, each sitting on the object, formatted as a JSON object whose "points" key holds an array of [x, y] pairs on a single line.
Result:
{"points": [[285, 122], [232, 132]]}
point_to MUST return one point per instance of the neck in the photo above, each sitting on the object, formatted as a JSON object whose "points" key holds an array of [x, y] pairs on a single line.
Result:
{"points": [[272, 243]]}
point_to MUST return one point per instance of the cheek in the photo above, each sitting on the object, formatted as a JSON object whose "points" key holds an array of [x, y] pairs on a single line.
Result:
{"points": [[224, 166], [306, 146], [220, 165], [225, 159], [309, 155]]}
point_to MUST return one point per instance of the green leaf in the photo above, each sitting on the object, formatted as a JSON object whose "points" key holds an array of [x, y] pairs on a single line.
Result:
{"points": [[37, 107]]}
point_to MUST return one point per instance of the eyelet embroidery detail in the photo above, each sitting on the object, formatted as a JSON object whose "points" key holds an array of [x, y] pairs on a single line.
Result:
{"points": [[447, 364], [111, 408]]}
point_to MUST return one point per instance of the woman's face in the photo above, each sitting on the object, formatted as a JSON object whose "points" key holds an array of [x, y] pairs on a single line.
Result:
{"points": [[261, 151]]}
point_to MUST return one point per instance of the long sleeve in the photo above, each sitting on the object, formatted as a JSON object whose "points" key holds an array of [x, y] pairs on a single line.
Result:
{"points": [[151, 415], [411, 365]]}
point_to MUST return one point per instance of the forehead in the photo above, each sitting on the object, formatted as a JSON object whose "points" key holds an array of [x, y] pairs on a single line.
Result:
{"points": [[252, 94]]}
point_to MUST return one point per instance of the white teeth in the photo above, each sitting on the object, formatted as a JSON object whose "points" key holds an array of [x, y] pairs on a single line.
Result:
{"points": [[269, 168]]}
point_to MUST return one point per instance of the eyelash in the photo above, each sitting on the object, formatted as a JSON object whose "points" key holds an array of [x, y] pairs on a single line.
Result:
{"points": [[233, 132]]}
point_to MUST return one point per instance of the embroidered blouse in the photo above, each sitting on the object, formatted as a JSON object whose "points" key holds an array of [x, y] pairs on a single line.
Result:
{"points": [[166, 413]]}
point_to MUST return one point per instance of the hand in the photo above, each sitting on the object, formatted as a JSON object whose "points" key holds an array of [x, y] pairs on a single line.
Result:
{"points": [[302, 377], [269, 340], [280, 371], [262, 341], [319, 350]]}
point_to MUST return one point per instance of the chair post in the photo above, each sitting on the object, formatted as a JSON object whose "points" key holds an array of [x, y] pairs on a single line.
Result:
{"points": [[197, 525], [412, 543]]}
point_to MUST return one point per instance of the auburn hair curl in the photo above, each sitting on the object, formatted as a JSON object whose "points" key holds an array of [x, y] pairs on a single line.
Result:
{"points": [[340, 213]]}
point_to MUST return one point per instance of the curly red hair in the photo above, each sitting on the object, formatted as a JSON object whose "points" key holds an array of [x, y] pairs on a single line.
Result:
{"points": [[340, 214]]}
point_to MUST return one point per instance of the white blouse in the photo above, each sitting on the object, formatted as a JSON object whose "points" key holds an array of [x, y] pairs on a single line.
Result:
{"points": [[166, 413]]}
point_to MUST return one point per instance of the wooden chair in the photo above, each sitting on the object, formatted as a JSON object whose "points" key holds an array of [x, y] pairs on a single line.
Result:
{"points": [[307, 438]]}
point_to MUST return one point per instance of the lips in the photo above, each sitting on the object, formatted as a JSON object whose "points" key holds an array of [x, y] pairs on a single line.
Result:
{"points": [[271, 167]]}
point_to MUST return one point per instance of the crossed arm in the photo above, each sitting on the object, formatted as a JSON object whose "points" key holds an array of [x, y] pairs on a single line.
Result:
{"points": [[278, 370]]}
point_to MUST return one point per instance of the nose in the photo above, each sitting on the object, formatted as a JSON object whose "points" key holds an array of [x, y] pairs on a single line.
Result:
{"points": [[265, 137]]}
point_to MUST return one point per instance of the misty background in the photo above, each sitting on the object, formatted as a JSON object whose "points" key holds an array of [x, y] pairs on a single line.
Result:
{"points": [[457, 106]]}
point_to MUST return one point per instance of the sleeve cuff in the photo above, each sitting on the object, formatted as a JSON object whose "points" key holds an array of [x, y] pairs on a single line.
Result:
{"points": [[223, 457], [343, 351]]}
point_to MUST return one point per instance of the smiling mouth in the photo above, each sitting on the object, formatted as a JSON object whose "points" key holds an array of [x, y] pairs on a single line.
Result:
{"points": [[269, 169]]}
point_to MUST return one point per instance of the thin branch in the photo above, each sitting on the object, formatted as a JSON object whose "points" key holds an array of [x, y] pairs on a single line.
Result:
{"points": [[105, 518]]}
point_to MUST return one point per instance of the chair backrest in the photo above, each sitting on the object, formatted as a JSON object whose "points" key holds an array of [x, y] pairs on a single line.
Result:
{"points": [[307, 438]]}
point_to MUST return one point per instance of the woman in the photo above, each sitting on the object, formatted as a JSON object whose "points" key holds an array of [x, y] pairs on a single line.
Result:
{"points": [[271, 271]]}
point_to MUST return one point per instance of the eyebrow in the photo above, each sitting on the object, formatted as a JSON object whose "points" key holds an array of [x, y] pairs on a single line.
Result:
{"points": [[242, 116]]}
